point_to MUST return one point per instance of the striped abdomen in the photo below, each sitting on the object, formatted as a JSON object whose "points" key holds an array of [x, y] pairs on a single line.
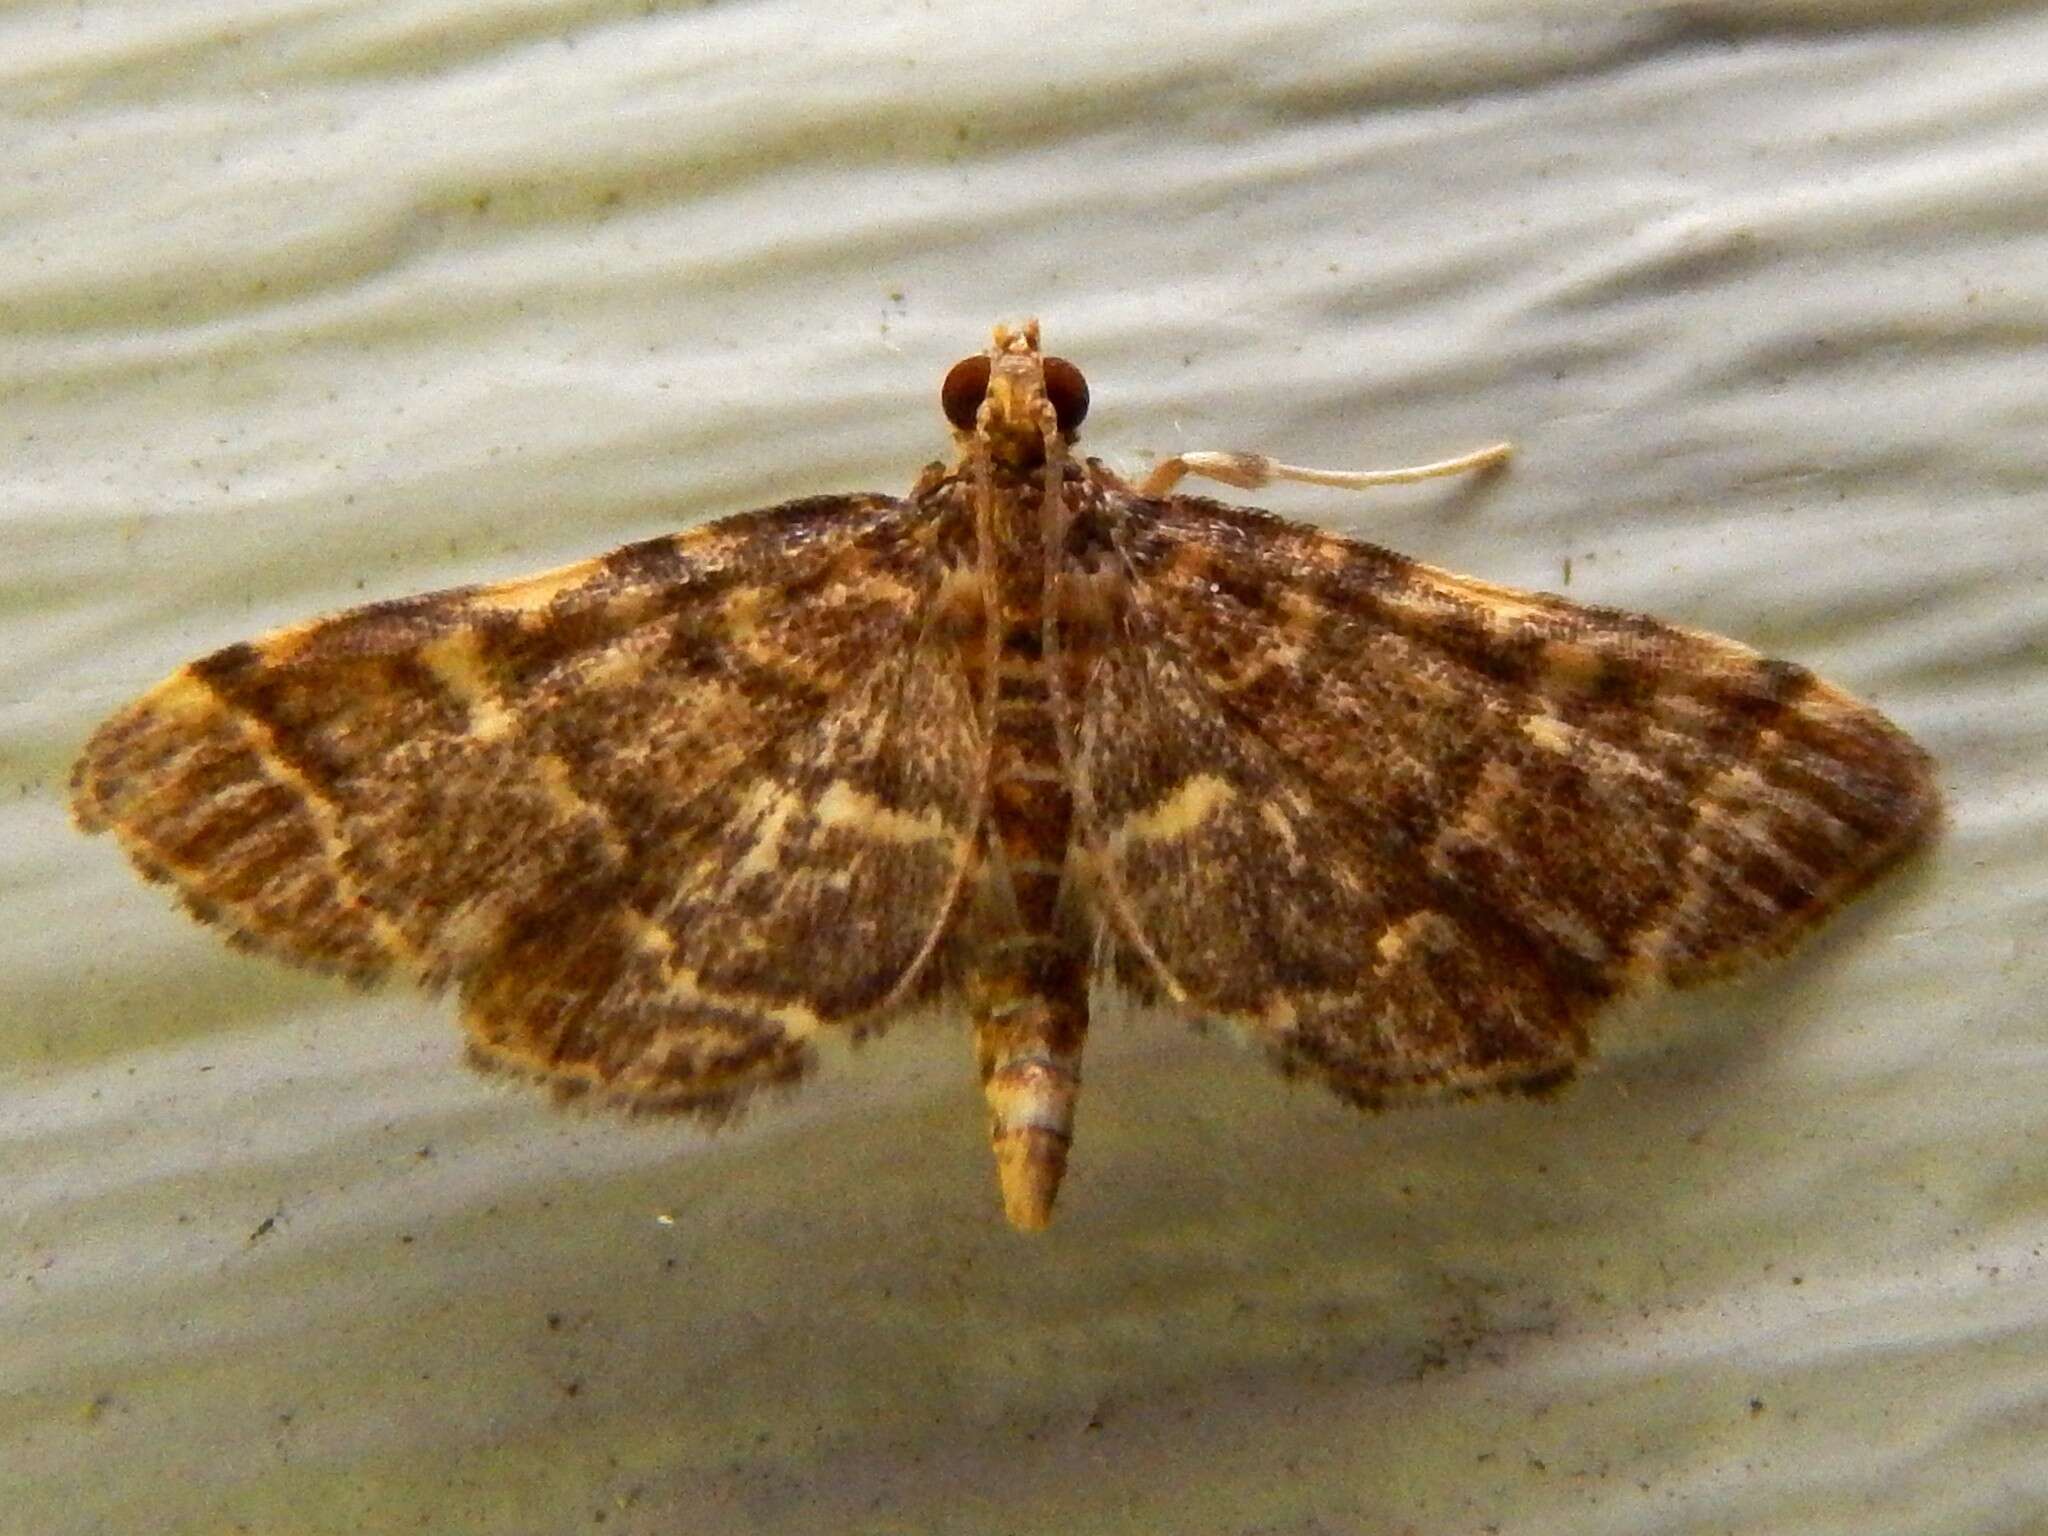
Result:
{"points": [[1027, 974]]}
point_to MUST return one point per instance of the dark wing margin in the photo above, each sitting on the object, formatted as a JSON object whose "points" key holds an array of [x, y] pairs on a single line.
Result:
{"points": [[606, 801], [1413, 830]]}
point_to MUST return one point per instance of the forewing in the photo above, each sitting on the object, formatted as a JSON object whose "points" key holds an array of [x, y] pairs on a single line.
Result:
{"points": [[809, 889], [608, 800], [1413, 829]]}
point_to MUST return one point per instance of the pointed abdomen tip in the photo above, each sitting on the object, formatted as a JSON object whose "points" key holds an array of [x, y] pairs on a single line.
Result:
{"points": [[1029, 1164]]}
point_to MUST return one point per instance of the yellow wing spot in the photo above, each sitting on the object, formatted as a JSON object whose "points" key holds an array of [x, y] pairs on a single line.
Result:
{"points": [[1504, 605], [747, 617], [648, 936], [616, 666], [686, 985], [534, 594], [1551, 734], [1260, 664], [459, 666], [1298, 610], [769, 808], [1332, 554], [1280, 1013], [183, 698], [844, 806], [742, 611], [795, 1019], [473, 928], [1827, 706], [1194, 802], [1739, 779], [1398, 939]]}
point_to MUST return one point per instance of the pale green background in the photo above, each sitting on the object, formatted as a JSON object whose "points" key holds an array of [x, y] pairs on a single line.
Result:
{"points": [[307, 303]]}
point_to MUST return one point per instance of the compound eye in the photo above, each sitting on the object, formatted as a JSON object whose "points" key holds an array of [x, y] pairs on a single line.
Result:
{"points": [[1068, 392], [961, 395]]}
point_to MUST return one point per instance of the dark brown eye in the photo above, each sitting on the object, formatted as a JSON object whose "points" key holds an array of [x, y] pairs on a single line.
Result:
{"points": [[961, 395], [1068, 392]]}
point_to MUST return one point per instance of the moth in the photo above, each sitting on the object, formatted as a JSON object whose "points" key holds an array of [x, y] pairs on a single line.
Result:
{"points": [[664, 817]]}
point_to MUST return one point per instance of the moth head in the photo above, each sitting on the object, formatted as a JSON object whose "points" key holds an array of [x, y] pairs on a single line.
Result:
{"points": [[1010, 396]]}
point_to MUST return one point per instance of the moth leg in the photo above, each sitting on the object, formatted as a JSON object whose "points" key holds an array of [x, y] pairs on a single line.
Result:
{"points": [[1249, 471]]}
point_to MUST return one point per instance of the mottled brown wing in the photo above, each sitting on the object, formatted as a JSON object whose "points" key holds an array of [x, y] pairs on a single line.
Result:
{"points": [[1411, 830], [661, 814]]}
